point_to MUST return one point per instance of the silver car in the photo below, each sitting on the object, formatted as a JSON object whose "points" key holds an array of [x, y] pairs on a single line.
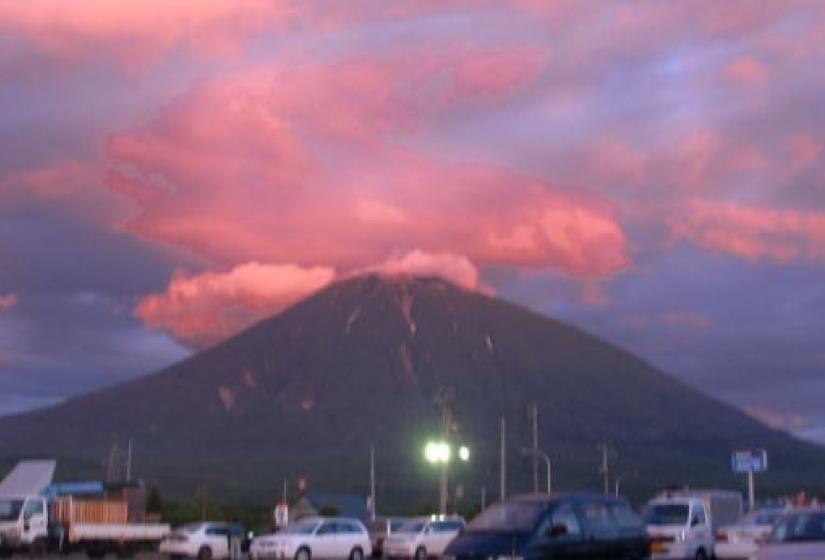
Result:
{"points": [[799, 535]]}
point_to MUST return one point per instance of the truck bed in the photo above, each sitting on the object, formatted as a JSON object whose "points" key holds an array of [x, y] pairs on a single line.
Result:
{"points": [[118, 532]]}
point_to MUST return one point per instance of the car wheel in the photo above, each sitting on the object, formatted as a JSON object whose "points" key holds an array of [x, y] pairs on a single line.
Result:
{"points": [[420, 554], [356, 554], [303, 553], [205, 553]]}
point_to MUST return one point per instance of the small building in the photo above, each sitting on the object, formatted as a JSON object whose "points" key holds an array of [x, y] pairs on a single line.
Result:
{"points": [[319, 503]]}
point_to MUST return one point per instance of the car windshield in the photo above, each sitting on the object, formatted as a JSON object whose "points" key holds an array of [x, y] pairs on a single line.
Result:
{"points": [[306, 527], [761, 517], [512, 517], [800, 527], [10, 509], [411, 527], [666, 514]]}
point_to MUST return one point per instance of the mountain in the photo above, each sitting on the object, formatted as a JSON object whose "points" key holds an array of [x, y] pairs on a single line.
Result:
{"points": [[304, 393]]}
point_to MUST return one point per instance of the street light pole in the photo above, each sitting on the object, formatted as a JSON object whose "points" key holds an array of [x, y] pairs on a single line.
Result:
{"points": [[440, 453], [536, 454]]}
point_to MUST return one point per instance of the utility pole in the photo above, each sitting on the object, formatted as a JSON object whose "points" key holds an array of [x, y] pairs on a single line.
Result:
{"points": [[605, 468], [534, 414], [443, 399], [503, 459], [129, 462], [202, 494], [372, 481]]}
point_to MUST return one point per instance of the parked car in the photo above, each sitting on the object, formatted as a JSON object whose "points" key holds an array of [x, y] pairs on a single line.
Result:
{"points": [[204, 541], [379, 529], [566, 526], [741, 540], [683, 524], [423, 537], [799, 535], [315, 538]]}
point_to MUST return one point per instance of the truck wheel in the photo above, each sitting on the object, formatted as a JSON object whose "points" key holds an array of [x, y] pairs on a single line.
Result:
{"points": [[125, 551], [38, 548], [420, 554], [94, 551], [205, 553]]}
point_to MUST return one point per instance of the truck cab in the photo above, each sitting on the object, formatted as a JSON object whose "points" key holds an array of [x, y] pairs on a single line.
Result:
{"points": [[23, 521], [679, 527]]}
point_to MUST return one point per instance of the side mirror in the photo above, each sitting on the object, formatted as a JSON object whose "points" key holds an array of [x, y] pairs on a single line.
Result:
{"points": [[557, 531]]}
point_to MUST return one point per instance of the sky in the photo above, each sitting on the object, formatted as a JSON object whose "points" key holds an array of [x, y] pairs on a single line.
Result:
{"points": [[650, 171]]}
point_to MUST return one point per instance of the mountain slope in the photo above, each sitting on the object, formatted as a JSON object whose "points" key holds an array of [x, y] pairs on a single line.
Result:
{"points": [[303, 394]]}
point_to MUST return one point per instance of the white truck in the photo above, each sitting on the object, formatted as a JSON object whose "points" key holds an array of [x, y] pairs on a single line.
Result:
{"points": [[682, 525], [34, 524]]}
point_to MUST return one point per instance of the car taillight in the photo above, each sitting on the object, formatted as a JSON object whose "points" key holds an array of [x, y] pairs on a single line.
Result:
{"points": [[721, 537]]}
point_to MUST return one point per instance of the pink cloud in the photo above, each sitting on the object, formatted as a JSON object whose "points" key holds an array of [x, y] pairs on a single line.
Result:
{"points": [[305, 165], [136, 32], [804, 150], [7, 301], [747, 70], [74, 184], [455, 268], [205, 308], [753, 233]]}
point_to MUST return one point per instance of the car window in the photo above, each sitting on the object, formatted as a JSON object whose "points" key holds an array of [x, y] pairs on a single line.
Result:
{"points": [[564, 516], [446, 526], [217, 531], [698, 517], [800, 527], [626, 519], [33, 507], [395, 525], [348, 527], [329, 528], [599, 521]]}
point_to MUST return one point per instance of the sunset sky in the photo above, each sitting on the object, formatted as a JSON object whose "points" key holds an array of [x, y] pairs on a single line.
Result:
{"points": [[653, 172]]}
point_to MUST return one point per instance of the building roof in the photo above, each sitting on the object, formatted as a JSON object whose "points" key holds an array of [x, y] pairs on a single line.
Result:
{"points": [[28, 477], [346, 505]]}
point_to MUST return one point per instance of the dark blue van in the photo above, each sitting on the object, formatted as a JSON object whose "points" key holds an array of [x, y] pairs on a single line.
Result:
{"points": [[557, 527]]}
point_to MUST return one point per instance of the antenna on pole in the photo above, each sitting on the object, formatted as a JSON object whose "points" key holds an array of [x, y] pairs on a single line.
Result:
{"points": [[503, 459], [129, 462], [372, 481], [604, 469], [534, 416]]}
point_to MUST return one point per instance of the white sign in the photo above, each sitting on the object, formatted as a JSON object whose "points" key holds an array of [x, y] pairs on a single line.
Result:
{"points": [[281, 515], [750, 460]]}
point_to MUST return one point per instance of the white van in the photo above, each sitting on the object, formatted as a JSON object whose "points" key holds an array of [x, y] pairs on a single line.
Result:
{"points": [[682, 525]]}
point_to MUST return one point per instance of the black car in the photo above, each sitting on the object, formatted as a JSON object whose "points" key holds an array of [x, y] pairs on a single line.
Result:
{"points": [[566, 526]]}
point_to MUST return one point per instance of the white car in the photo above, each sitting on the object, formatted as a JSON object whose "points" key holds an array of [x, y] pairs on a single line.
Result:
{"points": [[423, 537], [204, 541], [741, 541], [314, 538], [797, 536]]}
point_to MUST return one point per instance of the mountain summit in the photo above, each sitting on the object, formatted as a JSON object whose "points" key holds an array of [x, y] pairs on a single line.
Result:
{"points": [[303, 395]]}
